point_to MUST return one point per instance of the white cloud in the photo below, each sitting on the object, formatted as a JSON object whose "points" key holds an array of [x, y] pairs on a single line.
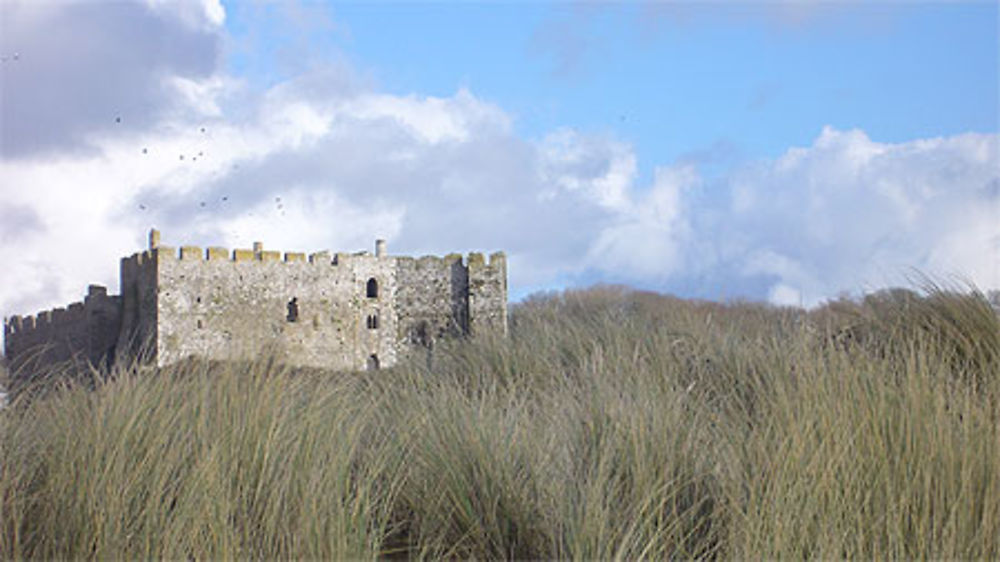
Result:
{"points": [[850, 213], [431, 119], [198, 14], [647, 241]]}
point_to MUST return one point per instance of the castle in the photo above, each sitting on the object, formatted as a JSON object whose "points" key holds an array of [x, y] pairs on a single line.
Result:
{"points": [[341, 311]]}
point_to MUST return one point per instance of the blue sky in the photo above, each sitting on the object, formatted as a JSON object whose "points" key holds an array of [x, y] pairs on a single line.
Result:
{"points": [[788, 151], [673, 79]]}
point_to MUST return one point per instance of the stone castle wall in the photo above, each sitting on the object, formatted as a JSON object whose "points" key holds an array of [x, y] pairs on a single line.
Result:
{"points": [[311, 312], [87, 330], [341, 311]]}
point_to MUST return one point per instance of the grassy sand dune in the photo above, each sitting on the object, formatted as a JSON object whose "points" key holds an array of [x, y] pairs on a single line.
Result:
{"points": [[611, 424]]}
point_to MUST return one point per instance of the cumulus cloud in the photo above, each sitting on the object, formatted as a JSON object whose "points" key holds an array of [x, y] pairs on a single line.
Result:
{"points": [[325, 161], [851, 213]]}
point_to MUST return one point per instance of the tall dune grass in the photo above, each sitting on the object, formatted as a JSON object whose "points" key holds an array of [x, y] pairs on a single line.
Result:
{"points": [[611, 424]]}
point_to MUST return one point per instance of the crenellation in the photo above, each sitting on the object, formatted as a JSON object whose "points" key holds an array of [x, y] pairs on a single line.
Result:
{"points": [[191, 253], [369, 311], [164, 253], [84, 330], [215, 253], [498, 259], [243, 255], [135, 260]]}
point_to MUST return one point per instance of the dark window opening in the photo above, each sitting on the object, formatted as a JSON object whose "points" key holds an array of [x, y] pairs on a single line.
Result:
{"points": [[293, 310], [372, 289], [373, 362], [199, 300], [199, 324], [373, 322]]}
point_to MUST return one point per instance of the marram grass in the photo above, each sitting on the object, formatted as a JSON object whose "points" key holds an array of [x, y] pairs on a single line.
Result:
{"points": [[610, 425]]}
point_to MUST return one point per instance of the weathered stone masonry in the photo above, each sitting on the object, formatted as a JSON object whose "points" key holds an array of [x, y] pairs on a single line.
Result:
{"points": [[340, 311]]}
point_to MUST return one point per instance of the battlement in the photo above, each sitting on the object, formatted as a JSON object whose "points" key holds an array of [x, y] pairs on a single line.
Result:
{"points": [[497, 260], [96, 299], [217, 254], [80, 328], [258, 254]]}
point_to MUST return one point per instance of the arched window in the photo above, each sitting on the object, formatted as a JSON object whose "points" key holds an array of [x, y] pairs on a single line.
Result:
{"points": [[293, 310], [372, 288], [373, 362], [373, 322]]}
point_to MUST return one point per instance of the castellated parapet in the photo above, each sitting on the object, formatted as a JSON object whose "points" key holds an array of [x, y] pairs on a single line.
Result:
{"points": [[337, 311]]}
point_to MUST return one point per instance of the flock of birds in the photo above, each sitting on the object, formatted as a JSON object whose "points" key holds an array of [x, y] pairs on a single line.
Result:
{"points": [[278, 204], [15, 57]]}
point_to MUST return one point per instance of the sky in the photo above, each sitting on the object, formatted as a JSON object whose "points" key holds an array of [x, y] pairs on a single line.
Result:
{"points": [[783, 151]]}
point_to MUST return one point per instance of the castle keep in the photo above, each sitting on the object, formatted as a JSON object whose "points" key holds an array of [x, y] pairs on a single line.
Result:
{"points": [[340, 311]]}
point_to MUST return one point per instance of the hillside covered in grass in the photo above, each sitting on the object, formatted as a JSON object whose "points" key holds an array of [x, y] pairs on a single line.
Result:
{"points": [[610, 424]]}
